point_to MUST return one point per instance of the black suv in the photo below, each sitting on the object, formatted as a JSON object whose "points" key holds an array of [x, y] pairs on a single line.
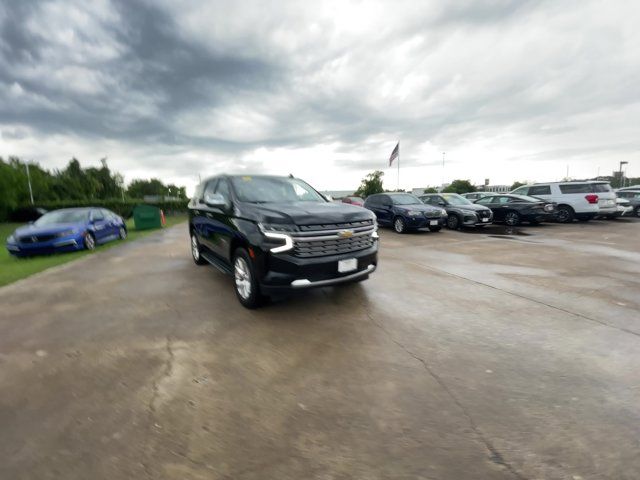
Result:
{"points": [[462, 212], [277, 234], [405, 211]]}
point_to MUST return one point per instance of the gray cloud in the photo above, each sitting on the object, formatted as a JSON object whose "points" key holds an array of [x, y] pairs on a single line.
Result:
{"points": [[180, 86]]}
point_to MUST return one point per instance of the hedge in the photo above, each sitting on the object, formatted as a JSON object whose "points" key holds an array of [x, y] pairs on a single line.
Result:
{"points": [[124, 209]]}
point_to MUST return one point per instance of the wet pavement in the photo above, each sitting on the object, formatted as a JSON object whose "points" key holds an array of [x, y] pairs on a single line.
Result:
{"points": [[493, 354]]}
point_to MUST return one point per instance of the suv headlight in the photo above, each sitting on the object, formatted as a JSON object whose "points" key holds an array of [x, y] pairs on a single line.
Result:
{"points": [[443, 213], [275, 232], [11, 239], [374, 234]]}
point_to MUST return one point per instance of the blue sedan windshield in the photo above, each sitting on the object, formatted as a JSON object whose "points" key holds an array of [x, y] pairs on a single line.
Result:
{"points": [[62, 216]]}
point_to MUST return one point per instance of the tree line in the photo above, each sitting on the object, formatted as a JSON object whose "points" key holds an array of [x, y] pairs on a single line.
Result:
{"points": [[73, 183]]}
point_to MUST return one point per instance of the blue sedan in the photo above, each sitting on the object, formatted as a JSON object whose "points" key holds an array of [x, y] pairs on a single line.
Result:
{"points": [[67, 230]]}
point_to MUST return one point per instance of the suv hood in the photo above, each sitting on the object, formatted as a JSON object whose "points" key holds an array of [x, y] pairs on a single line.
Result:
{"points": [[307, 213], [473, 207], [419, 207]]}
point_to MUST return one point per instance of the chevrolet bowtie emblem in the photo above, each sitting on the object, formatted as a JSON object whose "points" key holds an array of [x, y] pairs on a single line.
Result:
{"points": [[345, 233]]}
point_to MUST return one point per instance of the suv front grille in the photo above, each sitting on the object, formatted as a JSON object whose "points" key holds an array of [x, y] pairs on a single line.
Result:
{"points": [[433, 214], [484, 213], [335, 226], [333, 239]]}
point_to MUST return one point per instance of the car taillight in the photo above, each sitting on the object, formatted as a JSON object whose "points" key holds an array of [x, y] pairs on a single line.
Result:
{"points": [[591, 198]]}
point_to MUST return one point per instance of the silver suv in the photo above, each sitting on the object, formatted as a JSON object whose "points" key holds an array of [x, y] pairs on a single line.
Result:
{"points": [[580, 200]]}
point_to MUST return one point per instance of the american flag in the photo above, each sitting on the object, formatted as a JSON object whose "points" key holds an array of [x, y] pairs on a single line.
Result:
{"points": [[394, 154]]}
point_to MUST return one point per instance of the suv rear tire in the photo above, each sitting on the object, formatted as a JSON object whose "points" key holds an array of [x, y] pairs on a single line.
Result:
{"points": [[244, 280], [195, 251], [565, 214], [453, 222]]}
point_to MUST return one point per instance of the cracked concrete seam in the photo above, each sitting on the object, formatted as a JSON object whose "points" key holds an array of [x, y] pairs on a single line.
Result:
{"points": [[495, 456], [151, 405]]}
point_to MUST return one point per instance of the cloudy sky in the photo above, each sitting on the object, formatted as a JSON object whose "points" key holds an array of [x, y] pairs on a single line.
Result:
{"points": [[509, 89]]}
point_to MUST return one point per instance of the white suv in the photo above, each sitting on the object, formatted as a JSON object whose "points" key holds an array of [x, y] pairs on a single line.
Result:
{"points": [[581, 200]]}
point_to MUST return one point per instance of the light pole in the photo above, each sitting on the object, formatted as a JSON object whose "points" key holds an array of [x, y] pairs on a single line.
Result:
{"points": [[621, 175], [443, 154], [26, 165]]}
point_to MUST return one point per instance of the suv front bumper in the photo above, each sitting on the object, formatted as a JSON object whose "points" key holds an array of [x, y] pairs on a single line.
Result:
{"points": [[285, 272]]}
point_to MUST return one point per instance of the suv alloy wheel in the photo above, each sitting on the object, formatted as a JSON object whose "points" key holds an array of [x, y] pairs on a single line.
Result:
{"points": [[565, 214], [245, 283], [453, 222], [195, 251]]}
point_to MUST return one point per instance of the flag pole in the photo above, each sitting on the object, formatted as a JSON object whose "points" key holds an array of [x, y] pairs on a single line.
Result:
{"points": [[398, 166]]}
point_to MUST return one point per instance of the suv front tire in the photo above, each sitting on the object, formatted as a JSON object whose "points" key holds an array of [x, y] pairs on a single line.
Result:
{"points": [[244, 280]]}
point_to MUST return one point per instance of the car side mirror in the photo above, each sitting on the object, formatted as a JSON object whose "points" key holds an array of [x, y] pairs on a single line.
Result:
{"points": [[215, 200], [441, 203]]}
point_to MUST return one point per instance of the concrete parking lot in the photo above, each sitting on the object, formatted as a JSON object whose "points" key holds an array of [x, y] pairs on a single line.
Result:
{"points": [[468, 355]]}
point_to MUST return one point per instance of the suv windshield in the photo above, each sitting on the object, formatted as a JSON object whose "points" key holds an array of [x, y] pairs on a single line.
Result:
{"points": [[456, 200], [62, 216], [274, 190], [405, 199]]}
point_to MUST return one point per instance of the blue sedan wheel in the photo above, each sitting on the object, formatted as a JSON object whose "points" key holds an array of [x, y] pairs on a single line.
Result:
{"points": [[89, 241]]}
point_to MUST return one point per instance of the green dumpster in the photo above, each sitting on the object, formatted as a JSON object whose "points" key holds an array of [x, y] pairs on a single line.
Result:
{"points": [[147, 216]]}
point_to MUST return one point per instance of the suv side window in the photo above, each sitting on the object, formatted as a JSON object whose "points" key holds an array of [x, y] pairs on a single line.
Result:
{"points": [[223, 189], [524, 190], [485, 200], [539, 190], [210, 188], [575, 188]]}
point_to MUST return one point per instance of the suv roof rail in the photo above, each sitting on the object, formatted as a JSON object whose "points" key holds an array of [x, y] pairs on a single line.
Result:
{"points": [[569, 181]]}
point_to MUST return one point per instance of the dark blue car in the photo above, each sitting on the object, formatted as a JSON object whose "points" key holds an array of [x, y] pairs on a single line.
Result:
{"points": [[404, 211], [67, 230]]}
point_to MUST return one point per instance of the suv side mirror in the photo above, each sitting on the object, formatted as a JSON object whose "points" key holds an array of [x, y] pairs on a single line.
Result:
{"points": [[441, 203], [214, 200]]}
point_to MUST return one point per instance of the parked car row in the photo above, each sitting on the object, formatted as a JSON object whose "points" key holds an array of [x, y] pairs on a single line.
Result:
{"points": [[533, 204]]}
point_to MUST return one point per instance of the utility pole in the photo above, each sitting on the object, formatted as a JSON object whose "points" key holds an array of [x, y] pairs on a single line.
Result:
{"points": [[443, 154], [29, 180]]}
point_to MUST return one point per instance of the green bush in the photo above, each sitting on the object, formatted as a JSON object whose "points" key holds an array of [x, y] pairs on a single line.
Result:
{"points": [[124, 209]]}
